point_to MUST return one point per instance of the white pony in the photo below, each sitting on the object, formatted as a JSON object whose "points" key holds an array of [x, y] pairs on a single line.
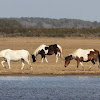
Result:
{"points": [[15, 55], [47, 50]]}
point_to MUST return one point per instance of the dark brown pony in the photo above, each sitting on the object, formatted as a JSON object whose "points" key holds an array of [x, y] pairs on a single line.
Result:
{"points": [[47, 50], [81, 55]]}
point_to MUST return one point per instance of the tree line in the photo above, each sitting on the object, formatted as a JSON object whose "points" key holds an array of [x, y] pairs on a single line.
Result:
{"points": [[50, 32]]}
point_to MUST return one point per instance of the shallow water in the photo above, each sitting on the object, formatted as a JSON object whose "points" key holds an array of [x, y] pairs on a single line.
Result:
{"points": [[49, 88]]}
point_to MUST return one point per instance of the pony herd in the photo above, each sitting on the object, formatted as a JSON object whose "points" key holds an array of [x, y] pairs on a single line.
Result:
{"points": [[79, 55]]}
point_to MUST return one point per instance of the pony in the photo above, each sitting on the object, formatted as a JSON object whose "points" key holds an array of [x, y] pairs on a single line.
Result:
{"points": [[47, 50], [15, 55], [81, 55]]}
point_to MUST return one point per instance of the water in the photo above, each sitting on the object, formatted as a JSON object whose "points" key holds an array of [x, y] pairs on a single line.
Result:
{"points": [[49, 88]]}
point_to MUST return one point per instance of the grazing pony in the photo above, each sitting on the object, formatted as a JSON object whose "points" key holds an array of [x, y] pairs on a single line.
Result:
{"points": [[47, 50], [15, 55], [81, 55]]}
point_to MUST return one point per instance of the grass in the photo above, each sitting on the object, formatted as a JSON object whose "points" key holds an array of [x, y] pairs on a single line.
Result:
{"points": [[31, 43]]}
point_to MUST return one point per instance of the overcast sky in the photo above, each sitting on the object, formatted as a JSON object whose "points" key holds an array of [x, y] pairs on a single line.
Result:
{"points": [[73, 9]]}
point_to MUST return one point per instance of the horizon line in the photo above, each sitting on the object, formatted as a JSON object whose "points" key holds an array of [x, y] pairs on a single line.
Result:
{"points": [[49, 18]]}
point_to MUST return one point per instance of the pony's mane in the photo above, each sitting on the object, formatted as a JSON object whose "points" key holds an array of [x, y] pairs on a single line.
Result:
{"points": [[38, 49]]}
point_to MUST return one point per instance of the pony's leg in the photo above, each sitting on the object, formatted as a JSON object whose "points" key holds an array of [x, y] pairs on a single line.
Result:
{"points": [[56, 58], [46, 60], [42, 60], [22, 64], [57, 55], [92, 64], [98, 63], [8, 61], [28, 63], [78, 63], [82, 65], [42, 57], [2, 63]]}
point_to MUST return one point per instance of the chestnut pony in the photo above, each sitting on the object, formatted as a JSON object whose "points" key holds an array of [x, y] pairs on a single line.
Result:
{"points": [[81, 55]]}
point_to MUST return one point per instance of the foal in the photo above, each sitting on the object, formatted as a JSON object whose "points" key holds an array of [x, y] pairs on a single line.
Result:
{"points": [[81, 55], [47, 50]]}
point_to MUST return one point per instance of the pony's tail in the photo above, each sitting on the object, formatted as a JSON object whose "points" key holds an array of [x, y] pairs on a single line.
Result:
{"points": [[98, 59], [61, 55]]}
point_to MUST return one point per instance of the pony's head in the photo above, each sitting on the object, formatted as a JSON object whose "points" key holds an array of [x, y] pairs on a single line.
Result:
{"points": [[34, 58], [67, 60]]}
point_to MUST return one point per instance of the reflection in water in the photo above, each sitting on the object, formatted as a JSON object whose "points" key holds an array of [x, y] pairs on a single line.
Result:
{"points": [[49, 88]]}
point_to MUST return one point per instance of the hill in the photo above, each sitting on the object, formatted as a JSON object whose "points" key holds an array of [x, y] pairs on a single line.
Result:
{"points": [[31, 22]]}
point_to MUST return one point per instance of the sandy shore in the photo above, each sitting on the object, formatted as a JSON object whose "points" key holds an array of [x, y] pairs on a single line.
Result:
{"points": [[51, 68]]}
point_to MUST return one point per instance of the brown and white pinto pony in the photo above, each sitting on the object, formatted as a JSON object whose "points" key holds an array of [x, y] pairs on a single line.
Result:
{"points": [[47, 50], [81, 55]]}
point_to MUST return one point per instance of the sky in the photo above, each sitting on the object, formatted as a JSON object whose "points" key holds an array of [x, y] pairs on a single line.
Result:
{"points": [[71, 9]]}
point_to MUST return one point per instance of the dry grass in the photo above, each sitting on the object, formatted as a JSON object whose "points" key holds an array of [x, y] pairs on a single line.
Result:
{"points": [[51, 68]]}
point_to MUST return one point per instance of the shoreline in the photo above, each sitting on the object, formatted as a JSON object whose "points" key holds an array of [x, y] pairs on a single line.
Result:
{"points": [[71, 73]]}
